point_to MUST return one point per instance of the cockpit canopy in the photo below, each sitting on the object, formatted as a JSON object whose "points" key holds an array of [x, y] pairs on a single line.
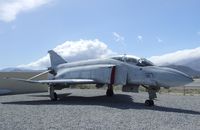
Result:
{"points": [[133, 60]]}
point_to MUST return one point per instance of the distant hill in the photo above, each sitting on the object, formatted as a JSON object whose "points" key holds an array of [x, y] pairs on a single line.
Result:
{"points": [[15, 69], [193, 63], [186, 57], [185, 69]]}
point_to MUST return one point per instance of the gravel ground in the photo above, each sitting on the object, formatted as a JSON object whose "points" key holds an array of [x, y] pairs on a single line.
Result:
{"points": [[92, 110]]}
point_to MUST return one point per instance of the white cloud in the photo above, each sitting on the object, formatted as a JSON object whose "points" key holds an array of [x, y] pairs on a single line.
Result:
{"points": [[73, 51], [118, 38], [9, 9], [182, 57], [140, 38], [198, 33]]}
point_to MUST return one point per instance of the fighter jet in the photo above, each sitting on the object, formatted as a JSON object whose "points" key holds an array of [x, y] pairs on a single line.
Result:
{"points": [[124, 70]]}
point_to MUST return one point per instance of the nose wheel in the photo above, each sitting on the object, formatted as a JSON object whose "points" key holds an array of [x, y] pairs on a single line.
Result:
{"points": [[152, 95], [149, 103]]}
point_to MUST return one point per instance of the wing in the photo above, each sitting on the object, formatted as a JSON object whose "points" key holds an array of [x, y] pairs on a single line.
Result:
{"points": [[80, 75], [57, 81]]}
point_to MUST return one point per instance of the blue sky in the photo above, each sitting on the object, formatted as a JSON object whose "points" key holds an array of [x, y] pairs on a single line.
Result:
{"points": [[144, 28]]}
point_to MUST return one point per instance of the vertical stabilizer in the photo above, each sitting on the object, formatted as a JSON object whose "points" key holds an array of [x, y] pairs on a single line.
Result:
{"points": [[55, 59]]}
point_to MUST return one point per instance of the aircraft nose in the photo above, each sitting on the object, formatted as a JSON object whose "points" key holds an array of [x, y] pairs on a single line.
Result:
{"points": [[175, 78], [178, 78]]}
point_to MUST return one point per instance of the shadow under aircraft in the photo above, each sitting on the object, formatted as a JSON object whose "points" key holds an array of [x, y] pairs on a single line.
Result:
{"points": [[119, 101]]}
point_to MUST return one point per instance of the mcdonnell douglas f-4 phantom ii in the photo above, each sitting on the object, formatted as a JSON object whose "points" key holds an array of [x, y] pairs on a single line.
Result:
{"points": [[122, 70]]}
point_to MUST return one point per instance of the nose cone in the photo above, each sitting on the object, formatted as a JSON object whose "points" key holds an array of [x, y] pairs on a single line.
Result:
{"points": [[174, 78]]}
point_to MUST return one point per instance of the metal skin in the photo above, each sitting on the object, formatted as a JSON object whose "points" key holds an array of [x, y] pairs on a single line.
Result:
{"points": [[120, 70], [125, 73]]}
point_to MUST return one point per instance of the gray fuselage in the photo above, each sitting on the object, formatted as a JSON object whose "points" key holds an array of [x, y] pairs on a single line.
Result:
{"points": [[125, 73]]}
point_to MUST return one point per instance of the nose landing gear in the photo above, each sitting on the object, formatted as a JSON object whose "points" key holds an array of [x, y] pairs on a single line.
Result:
{"points": [[149, 103], [152, 95]]}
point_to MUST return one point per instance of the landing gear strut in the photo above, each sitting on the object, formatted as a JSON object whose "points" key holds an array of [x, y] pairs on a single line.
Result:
{"points": [[109, 91], [152, 95], [53, 95]]}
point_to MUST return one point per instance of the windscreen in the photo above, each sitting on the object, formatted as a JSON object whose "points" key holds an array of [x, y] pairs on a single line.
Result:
{"points": [[144, 62], [135, 61]]}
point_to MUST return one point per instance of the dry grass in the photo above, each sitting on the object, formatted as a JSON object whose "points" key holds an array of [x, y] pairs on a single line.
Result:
{"points": [[181, 91], [177, 91]]}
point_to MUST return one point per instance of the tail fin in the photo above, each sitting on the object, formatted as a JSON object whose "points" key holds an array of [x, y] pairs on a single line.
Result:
{"points": [[55, 59]]}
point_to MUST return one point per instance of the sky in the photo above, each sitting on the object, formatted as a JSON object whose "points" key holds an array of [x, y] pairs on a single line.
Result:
{"points": [[145, 28]]}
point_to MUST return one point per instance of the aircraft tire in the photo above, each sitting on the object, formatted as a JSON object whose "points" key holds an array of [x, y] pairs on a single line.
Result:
{"points": [[55, 97], [109, 93], [149, 103]]}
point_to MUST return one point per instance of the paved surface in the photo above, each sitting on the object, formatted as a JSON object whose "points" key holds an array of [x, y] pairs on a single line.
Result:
{"points": [[90, 109]]}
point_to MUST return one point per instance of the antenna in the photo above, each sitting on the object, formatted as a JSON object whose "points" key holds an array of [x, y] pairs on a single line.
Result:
{"points": [[124, 57]]}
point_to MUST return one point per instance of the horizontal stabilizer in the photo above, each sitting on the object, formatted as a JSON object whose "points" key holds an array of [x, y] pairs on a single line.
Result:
{"points": [[40, 74]]}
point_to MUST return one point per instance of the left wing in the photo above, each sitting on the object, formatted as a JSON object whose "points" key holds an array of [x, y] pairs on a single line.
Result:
{"points": [[68, 81], [80, 75]]}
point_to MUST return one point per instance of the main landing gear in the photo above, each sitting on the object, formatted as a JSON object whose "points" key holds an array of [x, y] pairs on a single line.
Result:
{"points": [[109, 91], [52, 93]]}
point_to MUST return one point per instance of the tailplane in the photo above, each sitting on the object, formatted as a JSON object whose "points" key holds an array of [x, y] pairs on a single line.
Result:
{"points": [[55, 59]]}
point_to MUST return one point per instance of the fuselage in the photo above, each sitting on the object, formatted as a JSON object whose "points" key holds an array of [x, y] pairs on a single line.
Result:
{"points": [[126, 73]]}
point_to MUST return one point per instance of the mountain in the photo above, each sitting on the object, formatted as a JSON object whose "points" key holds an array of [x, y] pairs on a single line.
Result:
{"points": [[16, 69], [185, 69], [187, 57], [194, 63]]}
